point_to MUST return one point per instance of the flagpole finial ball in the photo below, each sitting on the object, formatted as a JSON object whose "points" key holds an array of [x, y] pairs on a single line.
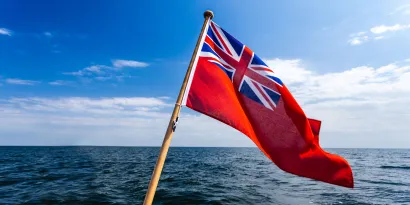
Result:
{"points": [[209, 13]]}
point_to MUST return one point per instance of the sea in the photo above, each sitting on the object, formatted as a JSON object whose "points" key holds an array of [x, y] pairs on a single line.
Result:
{"points": [[120, 175]]}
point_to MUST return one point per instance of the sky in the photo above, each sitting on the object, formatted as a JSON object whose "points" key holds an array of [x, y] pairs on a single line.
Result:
{"points": [[108, 73]]}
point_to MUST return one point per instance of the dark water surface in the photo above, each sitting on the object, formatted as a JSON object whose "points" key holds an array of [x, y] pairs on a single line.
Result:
{"points": [[120, 175]]}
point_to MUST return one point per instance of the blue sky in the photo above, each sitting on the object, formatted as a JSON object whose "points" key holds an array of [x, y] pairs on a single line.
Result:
{"points": [[105, 73]]}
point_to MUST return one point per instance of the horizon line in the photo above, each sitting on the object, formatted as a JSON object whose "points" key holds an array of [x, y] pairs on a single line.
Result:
{"points": [[188, 146]]}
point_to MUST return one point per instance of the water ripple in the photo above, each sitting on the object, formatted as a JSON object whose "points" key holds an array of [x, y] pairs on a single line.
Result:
{"points": [[120, 175]]}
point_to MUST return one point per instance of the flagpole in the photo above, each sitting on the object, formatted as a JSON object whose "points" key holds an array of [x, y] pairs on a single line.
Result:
{"points": [[149, 197]]}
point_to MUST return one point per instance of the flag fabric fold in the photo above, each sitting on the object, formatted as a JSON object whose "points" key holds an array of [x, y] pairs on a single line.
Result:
{"points": [[233, 85]]}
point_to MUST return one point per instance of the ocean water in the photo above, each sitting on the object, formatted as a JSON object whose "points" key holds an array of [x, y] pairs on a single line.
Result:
{"points": [[120, 175]]}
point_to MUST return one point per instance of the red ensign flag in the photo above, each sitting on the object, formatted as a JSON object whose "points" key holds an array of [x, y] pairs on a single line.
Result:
{"points": [[233, 85]]}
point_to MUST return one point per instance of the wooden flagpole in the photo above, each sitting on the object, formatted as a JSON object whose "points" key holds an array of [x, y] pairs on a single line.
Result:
{"points": [[149, 197]]}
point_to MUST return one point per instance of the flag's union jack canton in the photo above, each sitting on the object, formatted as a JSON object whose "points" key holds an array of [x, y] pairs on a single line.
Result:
{"points": [[248, 73]]}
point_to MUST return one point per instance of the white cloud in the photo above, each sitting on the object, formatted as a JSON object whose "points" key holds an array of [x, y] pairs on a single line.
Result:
{"points": [[356, 102], [404, 9], [82, 105], [60, 82], [359, 107], [128, 63], [4, 31], [16, 81], [91, 70], [96, 69], [378, 37], [362, 33], [357, 41], [48, 34], [291, 70], [358, 38], [382, 28], [76, 73], [103, 78], [374, 34], [363, 82], [105, 121], [104, 72]]}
